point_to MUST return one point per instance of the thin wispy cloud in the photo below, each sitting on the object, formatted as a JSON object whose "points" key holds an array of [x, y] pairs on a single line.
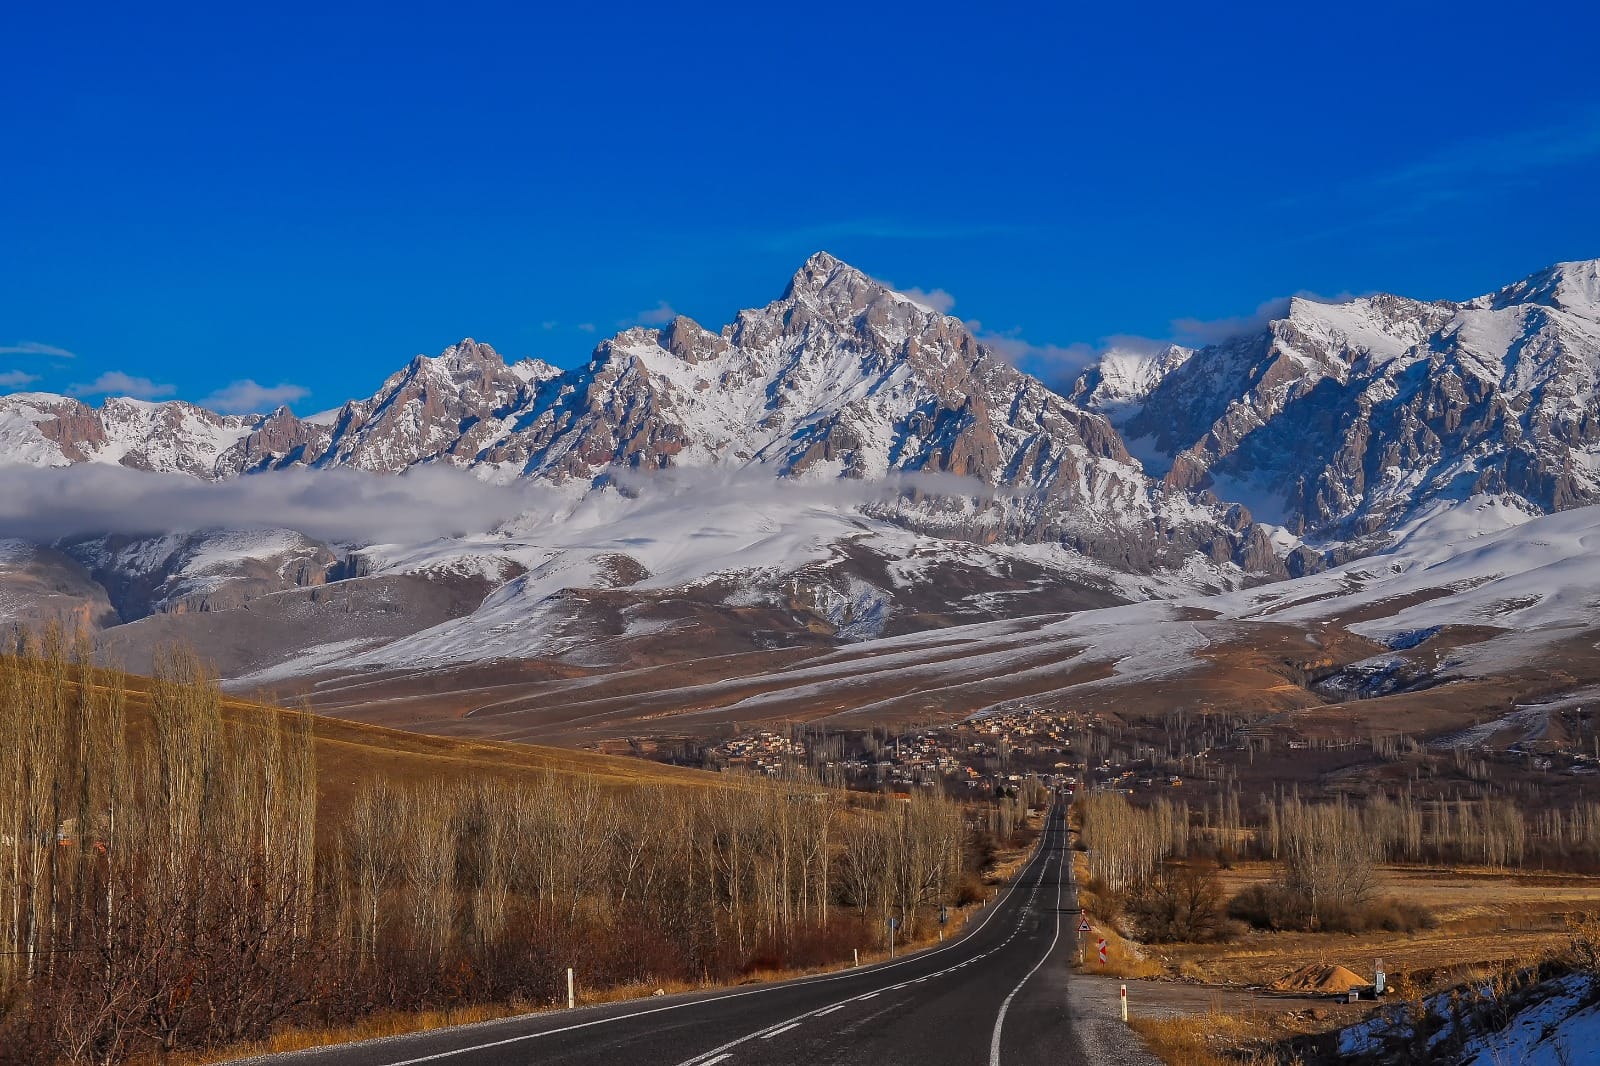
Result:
{"points": [[1199, 332], [1464, 163], [117, 383], [1054, 364], [586, 327], [938, 299], [1470, 169], [36, 348], [1058, 365], [659, 315], [247, 397], [16, 379]]}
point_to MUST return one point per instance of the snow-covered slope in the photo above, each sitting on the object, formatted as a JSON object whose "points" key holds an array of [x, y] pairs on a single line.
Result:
{"points": [[1122, 377], [201, 571]]}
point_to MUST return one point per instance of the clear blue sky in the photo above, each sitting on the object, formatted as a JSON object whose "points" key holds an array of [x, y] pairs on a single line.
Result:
{"points": [[200, 196]]}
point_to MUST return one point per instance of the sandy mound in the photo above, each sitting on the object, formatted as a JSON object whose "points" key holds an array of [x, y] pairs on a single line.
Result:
{"points": [[1315, 977]]}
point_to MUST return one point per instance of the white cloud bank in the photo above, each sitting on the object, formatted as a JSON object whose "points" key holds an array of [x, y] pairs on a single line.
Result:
{"points": [[335, 505]]}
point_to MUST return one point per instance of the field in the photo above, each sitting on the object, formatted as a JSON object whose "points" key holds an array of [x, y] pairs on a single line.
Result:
{"points": [[349, 753], [1485, 918], [1211, 1004]]}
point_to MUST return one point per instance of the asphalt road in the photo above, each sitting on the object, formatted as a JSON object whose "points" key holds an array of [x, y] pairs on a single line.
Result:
{"points": [[997, 994]]}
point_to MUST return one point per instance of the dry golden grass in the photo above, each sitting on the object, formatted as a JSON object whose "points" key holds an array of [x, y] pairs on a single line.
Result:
{"points": [[372, 1028], [1486, 918], [349, 753], [1214, 1038], [1124, 957]]}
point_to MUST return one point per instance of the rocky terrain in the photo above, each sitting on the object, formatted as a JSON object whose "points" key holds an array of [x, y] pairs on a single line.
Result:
{"points": [[1343, 422]]}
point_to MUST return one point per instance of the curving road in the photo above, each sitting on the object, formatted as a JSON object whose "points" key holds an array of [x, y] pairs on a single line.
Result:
{"points": [[997, 994]]}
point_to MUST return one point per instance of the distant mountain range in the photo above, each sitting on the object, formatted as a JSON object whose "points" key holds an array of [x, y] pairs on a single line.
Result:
{"points": [[841, 464]]}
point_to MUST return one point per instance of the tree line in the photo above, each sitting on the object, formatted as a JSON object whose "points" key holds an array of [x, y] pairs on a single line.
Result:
{"points": [[169, 879]]}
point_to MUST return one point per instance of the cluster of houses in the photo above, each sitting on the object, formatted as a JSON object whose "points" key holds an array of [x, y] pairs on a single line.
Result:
{"points": [[995, 753]]}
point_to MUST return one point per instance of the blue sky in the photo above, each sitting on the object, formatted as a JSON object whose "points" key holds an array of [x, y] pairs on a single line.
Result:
{"points": [[194, 198]]}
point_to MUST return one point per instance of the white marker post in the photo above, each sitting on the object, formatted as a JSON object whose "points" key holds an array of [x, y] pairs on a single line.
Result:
{"points": [[1379, 978], [855, 953], [1124, 997], [572, 999]]}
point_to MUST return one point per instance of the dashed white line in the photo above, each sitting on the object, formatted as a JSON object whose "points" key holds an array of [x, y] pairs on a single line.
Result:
{"points": [[830, 1010], [705, 1058], [1000, 1019], [775, 1032]]}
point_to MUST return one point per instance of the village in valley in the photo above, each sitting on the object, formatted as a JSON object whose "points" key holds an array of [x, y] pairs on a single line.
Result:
{"points": [[987, 755]]}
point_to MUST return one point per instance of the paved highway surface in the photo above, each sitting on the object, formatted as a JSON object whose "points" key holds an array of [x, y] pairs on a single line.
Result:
{"points": [[998, 994]]}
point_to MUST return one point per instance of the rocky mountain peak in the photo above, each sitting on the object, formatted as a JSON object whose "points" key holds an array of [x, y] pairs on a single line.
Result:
{"points": [[690, 341], [1572, 287], [830, 284]]}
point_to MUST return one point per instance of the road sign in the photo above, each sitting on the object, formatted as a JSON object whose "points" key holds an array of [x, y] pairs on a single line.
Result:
{"points": [[1102, 951], [1083, 926]]}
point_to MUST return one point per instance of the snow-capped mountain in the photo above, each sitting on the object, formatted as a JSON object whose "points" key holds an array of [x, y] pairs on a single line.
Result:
{"points": [[844, 463], [1347, 421], [42, 429], [840, 378], [1122, 377]]}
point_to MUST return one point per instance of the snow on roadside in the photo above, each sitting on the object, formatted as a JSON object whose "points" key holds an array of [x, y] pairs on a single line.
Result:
{"points": [[1557, 1025]]}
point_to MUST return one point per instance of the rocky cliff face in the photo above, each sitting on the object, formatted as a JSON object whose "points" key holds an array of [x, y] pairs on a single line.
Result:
{"points": [[1345, 421], [39, 429]]}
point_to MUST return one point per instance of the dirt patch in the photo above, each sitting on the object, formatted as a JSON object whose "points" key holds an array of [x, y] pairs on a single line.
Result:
{"points": [[1321, 978]]}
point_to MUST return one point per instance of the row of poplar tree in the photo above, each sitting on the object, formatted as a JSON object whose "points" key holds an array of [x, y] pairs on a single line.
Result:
{"points": [[171, 880]]}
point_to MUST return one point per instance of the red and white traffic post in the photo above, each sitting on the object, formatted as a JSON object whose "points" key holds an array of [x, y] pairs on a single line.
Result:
{"points": [[1124, 997], [1102, 951]]}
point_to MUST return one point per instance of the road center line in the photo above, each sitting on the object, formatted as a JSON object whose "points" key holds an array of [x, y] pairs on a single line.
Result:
{"points": [[705, 1057], [1000, 1019], [769, 1036]]}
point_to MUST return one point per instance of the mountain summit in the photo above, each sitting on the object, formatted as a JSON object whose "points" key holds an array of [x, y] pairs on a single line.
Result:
{"points": [[1346, 421]]}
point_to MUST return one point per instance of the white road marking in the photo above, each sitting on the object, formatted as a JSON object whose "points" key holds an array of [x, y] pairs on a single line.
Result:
{"points": [[830, 1010], [769, 1036], [1000, 1019], [719, 1058], [705, 1057]]}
